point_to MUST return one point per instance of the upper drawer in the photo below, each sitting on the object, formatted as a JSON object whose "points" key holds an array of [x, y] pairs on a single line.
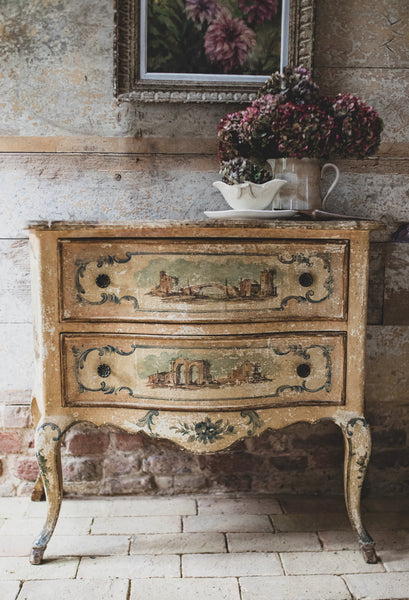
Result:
{"points": [[196, 281]]}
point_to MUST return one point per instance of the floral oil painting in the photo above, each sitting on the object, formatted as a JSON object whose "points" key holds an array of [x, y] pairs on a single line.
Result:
{"points": [[226, 37]]}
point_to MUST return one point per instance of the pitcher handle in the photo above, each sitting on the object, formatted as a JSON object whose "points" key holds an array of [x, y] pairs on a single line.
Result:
{"points": [[333, 184]]}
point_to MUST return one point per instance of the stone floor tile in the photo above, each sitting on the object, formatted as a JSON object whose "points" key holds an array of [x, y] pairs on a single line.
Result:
{"points": [[185, 589], [323, 563], [118, 507], [178, 543], [18, 568], [67, 545], [302, 587], [129, 567], [13, 507], [272, 542], [89, 589], [396, 560], [73, 508], [311, 522], [90, 545], [347, 540], [231, 565], [33, 526], [338, 540], [243, 505], [131, 525], [15, 545], [9, 590], [308, 504], [379, 586], [153, 506], [224, 523]]}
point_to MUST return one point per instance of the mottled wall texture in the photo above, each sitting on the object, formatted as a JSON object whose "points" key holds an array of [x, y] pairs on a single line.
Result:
{"points": [[68, 150]]}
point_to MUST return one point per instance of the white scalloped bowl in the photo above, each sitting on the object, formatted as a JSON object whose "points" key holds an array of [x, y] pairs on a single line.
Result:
{"points": [[249, 195]]}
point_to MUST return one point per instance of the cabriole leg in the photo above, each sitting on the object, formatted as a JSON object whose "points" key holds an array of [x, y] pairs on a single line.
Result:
{"points": [[48, 454], [357, 452]]}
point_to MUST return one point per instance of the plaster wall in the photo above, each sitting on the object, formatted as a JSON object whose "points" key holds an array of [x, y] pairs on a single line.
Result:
{"points": [[68, 150]]}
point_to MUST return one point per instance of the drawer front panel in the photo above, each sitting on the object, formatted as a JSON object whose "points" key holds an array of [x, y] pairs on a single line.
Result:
{"points": [[187, 373], [192, 281]]}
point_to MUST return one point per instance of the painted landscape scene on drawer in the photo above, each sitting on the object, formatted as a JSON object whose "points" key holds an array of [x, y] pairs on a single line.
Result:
{"points": [[136, 280], [239, 372]]}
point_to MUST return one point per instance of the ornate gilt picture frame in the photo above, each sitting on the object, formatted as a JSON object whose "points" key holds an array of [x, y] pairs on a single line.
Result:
{"points": [[130, 86]]}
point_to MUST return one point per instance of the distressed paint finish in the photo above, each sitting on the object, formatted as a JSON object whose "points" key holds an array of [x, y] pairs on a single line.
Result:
{"points": [[383, 90], [212, 373], [144, 187], [167, 405], [48, 454], [360, 34], [158, 280], [357, 441]]}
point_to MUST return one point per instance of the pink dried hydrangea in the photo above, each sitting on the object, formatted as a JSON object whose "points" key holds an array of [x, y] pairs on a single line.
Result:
{"points": [[231, 141], [298, 122], [359, 126], [258, 11], [228, 42], [202, 10]]}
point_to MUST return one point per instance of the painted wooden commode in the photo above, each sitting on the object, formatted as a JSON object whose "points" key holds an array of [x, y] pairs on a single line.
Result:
{"points": [[200, 332]]}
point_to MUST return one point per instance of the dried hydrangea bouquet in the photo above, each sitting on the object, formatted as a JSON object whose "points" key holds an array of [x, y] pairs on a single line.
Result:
{"points": [[292, 127]]}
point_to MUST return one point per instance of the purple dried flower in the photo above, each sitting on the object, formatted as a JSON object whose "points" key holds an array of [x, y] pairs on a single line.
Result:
{"points": [[228, 41], [291, 119], [359, 126], [258, 11], [231, 142], [202, 10]]}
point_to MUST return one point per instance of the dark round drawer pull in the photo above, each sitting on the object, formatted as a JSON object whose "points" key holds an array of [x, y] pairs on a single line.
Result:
{"points": [[306, 279], [303, 370], [103, 370], [102, 280]]}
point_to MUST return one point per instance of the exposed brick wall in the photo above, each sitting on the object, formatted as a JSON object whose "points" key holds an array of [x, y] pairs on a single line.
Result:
{"points": [[299, 459]]}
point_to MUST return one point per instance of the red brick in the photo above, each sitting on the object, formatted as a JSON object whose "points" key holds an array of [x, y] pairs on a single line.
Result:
{"points": [[128, 442], [170, 464], [82, 470], [120, 465], [16, 416], [10, 443], [131, 485], [231, 463], [88, 442], [27, 469]]}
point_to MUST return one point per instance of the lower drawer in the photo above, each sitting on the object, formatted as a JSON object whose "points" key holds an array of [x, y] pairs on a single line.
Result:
{"points": [[209, 373]]}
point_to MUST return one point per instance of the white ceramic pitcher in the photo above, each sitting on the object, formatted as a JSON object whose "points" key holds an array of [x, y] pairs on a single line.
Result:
{"points": [[303, 177]]}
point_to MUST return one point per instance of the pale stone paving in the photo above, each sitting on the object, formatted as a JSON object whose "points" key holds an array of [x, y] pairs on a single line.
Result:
{"points": [[220, 547]]}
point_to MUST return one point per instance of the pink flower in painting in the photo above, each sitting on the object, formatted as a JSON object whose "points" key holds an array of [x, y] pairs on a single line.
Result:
{"points": [[228, 42], [202, 10], [258, 11]]}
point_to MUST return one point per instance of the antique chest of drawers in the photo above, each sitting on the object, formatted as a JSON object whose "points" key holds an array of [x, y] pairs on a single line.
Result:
{"points": [[200, 332]]}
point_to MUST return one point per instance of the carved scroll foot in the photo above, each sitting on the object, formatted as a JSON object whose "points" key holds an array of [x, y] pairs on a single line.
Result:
{"points": [[38, 493], [48, 454], [36, 556], [357, 452]]}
